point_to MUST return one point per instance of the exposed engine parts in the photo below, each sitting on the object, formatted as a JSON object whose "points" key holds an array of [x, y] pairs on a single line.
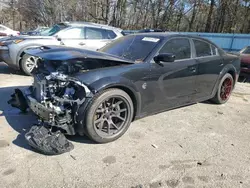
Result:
{"points": [[55, 99]]}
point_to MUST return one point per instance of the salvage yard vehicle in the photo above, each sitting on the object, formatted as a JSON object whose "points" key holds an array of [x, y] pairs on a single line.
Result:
{"points": [[245, 61], [99, 93], [76, 34]]}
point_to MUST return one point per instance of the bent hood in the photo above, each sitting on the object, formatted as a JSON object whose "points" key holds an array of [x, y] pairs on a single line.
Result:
{"points": [[62, 53]]}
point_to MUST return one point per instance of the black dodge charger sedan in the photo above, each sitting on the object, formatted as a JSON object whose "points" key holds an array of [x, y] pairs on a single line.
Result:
{"points": [[99, 93]]}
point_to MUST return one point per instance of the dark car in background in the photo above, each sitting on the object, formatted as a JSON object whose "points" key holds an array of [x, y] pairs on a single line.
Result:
{"points": [[99, 93], [245, 61]]}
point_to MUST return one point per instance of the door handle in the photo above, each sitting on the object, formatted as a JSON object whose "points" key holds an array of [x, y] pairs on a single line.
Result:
{"points": [[221, 64], [81, 44]]}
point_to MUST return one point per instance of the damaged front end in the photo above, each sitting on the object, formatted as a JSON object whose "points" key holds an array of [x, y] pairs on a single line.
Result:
{"points": [[55, 99]]}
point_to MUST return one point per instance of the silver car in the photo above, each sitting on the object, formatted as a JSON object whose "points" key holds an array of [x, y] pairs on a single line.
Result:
{"points": [[75, 34]]}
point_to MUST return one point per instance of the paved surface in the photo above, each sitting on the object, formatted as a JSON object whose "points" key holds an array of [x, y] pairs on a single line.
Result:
{"points": [[202, 145]]}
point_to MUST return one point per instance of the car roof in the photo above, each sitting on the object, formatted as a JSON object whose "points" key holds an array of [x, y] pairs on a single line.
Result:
{"points": [[79, 23], [171, 35]]}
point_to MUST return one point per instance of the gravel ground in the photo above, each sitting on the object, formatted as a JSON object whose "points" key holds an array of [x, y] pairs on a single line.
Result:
{"points": [[201, 145]]}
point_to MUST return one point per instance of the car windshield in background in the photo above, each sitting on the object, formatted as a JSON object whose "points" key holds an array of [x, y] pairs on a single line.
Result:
{"points": [[245, 50], [52, 30], [132, 47]]}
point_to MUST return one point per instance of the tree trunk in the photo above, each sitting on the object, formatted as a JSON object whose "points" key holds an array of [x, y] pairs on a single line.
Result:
{"points": [[209, 17], [192, 17]]}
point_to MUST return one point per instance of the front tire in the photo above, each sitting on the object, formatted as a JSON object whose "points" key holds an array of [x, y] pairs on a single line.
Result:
{"points": [[225, 89], [109, 115], [28, 63]]}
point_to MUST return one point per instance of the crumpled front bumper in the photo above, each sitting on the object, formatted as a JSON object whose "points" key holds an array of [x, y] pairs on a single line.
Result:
{"points": [[25, 101], [40, 137]]}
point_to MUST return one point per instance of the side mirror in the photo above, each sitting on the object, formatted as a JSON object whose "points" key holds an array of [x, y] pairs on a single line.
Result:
{"points": [[58, 38], [165, 57]]}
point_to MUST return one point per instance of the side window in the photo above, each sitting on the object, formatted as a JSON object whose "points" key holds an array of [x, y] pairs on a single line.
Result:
{"points": [[202, 48], [110, 34], [246, 50], [72, 33], [94, 33], [214, 50], [180, 47]]}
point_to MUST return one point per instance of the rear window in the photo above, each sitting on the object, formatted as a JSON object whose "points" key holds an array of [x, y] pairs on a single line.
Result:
{"points": [[97, 33], [180, 47], [110, 34], [246, 50], [202, 48]]}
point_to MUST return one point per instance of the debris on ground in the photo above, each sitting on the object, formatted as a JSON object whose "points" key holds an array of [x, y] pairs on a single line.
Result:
{"points": [[199, 163], [221, 113], [73, 157], [155, 146], [47, 142]]}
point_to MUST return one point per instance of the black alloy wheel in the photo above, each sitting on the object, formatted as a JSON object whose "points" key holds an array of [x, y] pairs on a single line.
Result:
{"points": [[109, 115]]}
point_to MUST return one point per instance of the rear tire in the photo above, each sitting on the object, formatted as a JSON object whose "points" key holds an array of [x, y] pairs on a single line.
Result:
{"points": [[28, 63], [109, 115], [224, 89]]}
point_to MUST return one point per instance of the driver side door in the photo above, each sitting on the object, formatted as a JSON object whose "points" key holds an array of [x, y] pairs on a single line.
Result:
{"points": [[174, 82]]}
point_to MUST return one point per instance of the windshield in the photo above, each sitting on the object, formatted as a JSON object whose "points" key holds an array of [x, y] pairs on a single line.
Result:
{"points": [[52, 30], [132, 47], [245, 50]]}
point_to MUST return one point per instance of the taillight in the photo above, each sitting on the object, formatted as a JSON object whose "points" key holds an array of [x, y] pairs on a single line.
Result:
{"points": [[18, 33]]}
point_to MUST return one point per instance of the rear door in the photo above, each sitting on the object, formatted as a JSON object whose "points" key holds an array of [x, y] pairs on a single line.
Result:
{"points": [[210, 63], [96, 38]]}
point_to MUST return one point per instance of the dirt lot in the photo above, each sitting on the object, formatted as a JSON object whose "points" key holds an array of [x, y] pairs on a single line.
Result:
{"points": [[202, 145]]}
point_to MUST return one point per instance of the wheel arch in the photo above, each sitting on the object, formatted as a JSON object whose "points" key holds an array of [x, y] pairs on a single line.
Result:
{"points": [[123, 84], [131, 94], [227, 69], [21, 53]]}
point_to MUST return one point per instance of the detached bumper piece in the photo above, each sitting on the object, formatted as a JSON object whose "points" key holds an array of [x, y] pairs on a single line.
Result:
{"points": [[18, 101], [47, 142], [40, 137]]}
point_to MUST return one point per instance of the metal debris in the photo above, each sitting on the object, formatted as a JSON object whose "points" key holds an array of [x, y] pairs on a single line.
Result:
{"points": [[155, 146]]}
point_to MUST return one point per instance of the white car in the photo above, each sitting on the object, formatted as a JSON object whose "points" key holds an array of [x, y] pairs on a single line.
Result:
{"points": [[5, 31], [84, 35]]}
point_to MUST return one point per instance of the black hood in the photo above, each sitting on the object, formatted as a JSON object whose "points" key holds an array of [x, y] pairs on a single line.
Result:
{"points": [[70, 60], [62, 53]]}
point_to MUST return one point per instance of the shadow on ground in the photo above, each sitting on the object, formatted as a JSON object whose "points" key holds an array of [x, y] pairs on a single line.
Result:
{"points": [[5, 69]]}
